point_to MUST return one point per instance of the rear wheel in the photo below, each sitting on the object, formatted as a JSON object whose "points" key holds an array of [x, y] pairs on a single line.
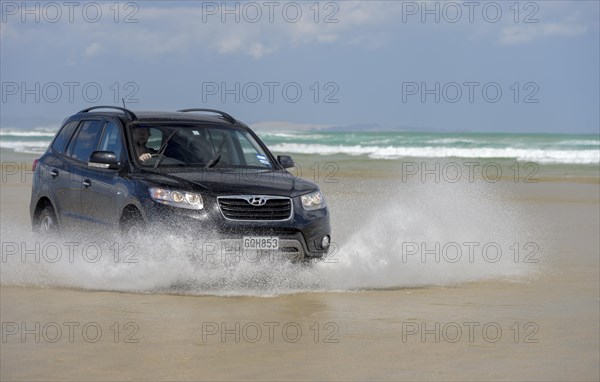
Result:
{"points": [[47, 224]]}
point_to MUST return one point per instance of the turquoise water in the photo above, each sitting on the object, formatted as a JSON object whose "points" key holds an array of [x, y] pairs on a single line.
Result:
{"points": [[542, 148]]}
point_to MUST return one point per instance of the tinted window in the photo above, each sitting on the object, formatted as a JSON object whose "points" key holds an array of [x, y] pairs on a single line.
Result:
{"points": [[155, 139], [86, 141], [146, 140], [63, 136], [111, 139], [209, 146]]}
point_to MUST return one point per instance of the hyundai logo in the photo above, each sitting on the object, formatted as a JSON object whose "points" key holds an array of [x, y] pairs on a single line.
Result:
{"points": [[257, 201]]}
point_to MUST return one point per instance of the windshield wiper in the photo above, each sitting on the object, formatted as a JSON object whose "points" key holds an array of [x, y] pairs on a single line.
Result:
{"points": [[162, 149], [216, 158]]}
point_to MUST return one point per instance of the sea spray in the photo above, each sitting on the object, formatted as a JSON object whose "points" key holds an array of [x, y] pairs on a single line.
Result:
{"points": [[437, 234], [408, 235]]}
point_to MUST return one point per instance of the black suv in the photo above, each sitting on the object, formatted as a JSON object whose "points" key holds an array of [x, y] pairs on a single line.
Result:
{"points": [[198, 172]]}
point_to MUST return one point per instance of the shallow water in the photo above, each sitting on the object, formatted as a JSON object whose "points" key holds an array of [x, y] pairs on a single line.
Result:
{"points": [[396, 235]]}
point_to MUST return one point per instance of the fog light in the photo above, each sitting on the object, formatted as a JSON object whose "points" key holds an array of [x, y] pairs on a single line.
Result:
{"points": [[325, 242]]}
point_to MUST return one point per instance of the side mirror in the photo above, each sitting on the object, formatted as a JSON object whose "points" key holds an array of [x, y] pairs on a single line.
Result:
{"points": [[104, 159], [286, 161]]}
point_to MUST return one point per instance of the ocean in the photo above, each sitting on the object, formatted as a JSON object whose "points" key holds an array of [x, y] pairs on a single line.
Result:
{"points": [[539, 148]]}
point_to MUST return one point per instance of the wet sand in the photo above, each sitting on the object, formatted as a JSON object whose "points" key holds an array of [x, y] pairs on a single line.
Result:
{"points": [[543, 328]]}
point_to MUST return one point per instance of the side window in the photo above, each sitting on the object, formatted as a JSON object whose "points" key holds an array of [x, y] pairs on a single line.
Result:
{"points": [[253, 154], [146, 140], [111, 139], [86, 141], [61, 139], [248, 150], [155, 139]]}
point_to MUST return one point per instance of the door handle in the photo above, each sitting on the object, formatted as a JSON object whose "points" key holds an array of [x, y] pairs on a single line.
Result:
{"points": [[87, 183], [54, 173]]}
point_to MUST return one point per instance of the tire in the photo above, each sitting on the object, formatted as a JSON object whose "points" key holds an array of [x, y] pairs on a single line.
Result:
{"points": [[133, 229], [47, 223]]}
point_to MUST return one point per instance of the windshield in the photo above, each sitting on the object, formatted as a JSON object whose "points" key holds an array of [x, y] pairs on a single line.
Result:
{"points": [[207, 146]]}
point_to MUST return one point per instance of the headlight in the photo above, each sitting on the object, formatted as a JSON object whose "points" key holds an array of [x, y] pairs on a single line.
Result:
{"points": [[313, 201], [175, 198]]}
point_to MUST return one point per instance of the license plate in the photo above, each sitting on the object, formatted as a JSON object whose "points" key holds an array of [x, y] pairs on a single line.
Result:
{"points": [[260, 242]]}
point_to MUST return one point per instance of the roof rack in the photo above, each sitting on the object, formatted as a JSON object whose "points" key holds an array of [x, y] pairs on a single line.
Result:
{"points": [[223, 114], [128, 112]]}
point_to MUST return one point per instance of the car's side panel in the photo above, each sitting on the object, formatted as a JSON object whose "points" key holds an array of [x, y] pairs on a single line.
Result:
{"points": [[71, 173], [67, 191], [104, 190], [104, 199]]}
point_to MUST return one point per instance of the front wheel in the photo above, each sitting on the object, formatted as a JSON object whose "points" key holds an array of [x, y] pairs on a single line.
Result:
{"points": [[47, 224], [133, 229]]}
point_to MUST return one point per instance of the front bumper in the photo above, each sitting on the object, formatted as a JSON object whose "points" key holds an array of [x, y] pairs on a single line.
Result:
{"points": [[300, 236], [231, 251]]}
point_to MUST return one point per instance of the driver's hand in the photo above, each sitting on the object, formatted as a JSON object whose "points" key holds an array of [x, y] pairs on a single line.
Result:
{"points": [[145, 157]]}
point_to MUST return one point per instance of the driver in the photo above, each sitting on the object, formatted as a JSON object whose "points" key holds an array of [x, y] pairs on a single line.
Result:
{"points": [[140, 136]]}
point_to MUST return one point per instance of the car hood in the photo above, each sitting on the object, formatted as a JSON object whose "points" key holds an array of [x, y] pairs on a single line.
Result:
{"points": [[280, 183]]}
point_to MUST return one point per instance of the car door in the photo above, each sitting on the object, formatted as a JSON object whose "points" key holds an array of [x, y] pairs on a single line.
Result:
{"points": [[77, 154], [102, 190], [55, 172]]}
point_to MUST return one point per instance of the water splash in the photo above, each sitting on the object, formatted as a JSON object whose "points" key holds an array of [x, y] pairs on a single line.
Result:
{"points": [[417, 235]]}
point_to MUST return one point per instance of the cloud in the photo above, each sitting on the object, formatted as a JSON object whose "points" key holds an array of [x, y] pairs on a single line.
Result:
{"points": [[162, 30], [567, 23], [93, 49], [520, 34]]}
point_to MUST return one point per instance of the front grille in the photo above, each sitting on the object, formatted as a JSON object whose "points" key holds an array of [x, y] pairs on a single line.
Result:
{"points": [[240, 208]]}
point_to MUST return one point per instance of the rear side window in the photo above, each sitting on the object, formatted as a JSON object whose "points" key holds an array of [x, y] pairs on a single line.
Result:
{"points": [[86, 141], [63, 136]]}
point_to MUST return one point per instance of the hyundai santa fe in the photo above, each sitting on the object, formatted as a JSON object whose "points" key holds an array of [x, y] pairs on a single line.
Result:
{"points": [[198, 172]]}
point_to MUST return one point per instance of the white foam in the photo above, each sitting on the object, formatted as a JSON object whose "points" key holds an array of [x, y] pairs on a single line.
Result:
{"points": [[580, 142], [46, 133], [27, 147], [391, 152], [446, 141]]}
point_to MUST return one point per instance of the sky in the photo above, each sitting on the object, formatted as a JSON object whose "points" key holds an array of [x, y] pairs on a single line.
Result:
{"points": [[503, 66]]}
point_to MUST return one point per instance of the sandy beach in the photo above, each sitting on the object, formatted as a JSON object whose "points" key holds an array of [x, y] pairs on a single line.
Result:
{"points": [[445, 155], [367, 317]]}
